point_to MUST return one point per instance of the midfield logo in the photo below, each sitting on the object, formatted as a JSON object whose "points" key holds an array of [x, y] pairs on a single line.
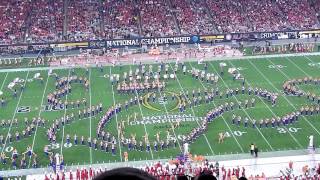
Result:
{"points": [[166, 119]]}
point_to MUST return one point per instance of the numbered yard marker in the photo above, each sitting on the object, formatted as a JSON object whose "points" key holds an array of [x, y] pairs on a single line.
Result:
{"points": [[53, 146], [290, 129], [67, 145], [236, 133], [276, 66], [314, 64], [293, 129], [23, 109]]}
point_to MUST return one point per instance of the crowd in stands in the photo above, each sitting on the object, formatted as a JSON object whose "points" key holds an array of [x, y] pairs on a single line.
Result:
{"points": [[193, 18], [156, 19], [47, 21], [57, 20], [299, 14], [265, 16], [306, 172], [83, 18], [121, 18], [174, 169], [229, 15], [13, 17]]}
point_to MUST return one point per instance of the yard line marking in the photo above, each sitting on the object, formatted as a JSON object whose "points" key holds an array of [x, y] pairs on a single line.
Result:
{"points": [[40, 110], [165, 107], [90, 116], [292, 104], [290, 60], [64, 116], [192, 109], [226, 85], [4, 81], [114, 105], [145, 129], [274, 114], [278, 90], [223, 119], [14, 114]]}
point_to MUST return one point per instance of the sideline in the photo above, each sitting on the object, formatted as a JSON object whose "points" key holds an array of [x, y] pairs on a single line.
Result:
{"points": [[151, 61], [223, 159]]}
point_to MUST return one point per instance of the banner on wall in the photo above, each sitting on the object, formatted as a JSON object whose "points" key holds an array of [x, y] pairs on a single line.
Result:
{"points": [[174, 40], [116, 43]]}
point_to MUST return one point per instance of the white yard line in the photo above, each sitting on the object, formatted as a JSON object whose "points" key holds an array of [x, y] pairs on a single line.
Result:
{"points": [[64, 116], [90, 102], [116, 115], [15, 112], [250, 118], [273, 113], [172, 127], [276, 88], [145, 129], [40, 110], [4, 81], [309, 76], [193, 110], [231, 131]]}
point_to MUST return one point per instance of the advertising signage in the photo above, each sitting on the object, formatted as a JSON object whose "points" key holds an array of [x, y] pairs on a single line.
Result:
{"points": [[116, 43]]}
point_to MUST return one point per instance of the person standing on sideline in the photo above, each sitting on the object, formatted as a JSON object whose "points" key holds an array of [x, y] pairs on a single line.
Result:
{"points": [[256, 151], [252, 149]]}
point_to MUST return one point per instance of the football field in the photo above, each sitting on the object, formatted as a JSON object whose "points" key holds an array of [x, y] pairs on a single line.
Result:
{"points": [[157, 117]]}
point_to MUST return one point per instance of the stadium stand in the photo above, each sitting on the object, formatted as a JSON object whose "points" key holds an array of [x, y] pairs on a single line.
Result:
{"points": [[156, 19], [193, 17], [86, 20], [13, 25], [120, 18], [47, 21], [82, 20], [299, 14], [229, 16]]}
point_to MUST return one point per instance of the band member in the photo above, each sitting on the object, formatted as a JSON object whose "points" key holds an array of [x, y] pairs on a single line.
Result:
{"points": [[125, 155], [221, 137]]}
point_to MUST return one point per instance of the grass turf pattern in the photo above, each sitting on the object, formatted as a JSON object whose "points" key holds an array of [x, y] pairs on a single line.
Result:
{"points": [[268, 74]]}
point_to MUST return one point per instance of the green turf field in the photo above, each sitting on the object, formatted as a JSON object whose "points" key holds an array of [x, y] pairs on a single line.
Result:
{"points": [[267, 74]]}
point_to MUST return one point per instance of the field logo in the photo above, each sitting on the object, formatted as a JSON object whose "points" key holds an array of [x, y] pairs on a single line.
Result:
{"points": [[276, 66], [47, 108], [23, 109], [161, 119], [162, 101]]}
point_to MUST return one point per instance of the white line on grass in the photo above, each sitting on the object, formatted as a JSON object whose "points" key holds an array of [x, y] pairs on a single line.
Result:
{"points": [[90, 117], [193, 110], [4, 81], [273, 114], [114, 105], [277, 89], [15, 112], [226, 85], [165, 108], [40, 110], [231, 131], [145, 129], [64, 116], [309, 76]]}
